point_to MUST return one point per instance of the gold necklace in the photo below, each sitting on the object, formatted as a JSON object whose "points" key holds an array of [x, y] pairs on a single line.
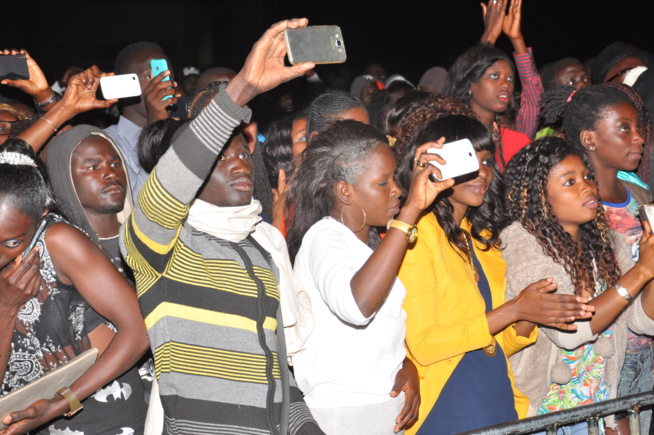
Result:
{"points": [[491, 349]]}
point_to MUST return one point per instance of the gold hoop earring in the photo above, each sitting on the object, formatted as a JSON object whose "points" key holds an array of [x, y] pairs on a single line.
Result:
{"points": [[362, 211]]}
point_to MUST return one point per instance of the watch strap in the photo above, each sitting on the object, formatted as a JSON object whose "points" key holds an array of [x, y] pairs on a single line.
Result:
{"points": [[409, 230], [73, 402]]}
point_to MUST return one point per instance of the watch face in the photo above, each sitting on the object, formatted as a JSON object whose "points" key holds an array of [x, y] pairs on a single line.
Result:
{"points": [[412, 234]]}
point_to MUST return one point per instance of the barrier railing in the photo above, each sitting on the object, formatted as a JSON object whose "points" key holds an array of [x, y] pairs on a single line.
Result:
{"points": [[591, 413]]}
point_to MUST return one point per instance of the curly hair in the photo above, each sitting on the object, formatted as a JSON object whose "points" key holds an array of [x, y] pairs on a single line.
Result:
{"points": [[486, 219], [412, 112], [527, 202], [340, 153]]}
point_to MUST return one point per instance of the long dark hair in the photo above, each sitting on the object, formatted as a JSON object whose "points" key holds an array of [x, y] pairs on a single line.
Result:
{"points": [[339, 153], [486, 219], [469, 68], [527, 203]]}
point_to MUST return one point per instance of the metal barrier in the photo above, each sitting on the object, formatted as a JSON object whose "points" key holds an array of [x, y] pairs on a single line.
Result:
{"points": [[591, 413]]}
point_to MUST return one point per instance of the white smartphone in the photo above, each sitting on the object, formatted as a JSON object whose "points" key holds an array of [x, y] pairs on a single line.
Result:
{"points": [[120, 86], [460, 159], [317, 44]]}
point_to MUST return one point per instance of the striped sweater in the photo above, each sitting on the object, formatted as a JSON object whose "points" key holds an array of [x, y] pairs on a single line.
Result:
{"points": [[210, 306]]}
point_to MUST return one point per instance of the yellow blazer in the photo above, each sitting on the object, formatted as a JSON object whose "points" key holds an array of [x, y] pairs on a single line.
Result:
{"points": [[446, 313]]}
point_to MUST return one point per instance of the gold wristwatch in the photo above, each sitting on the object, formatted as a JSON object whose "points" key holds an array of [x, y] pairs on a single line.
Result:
{"points": [[411, 231], [73, 402]]}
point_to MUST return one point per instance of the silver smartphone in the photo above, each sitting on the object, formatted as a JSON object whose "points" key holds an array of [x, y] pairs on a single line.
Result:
{"points": [[120, 86], [317, 44], [460, 159]]}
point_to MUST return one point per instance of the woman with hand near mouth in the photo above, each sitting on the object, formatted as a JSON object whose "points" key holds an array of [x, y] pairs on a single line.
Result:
{"points": [[460, 331], [560, 230], [605, 123], [354, 369]]}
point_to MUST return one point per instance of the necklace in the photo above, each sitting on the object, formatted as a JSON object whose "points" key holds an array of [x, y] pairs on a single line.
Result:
{"points": [[491, 349]]}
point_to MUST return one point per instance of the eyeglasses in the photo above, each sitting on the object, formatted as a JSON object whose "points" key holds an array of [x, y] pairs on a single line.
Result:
{"points": [[5, 127]]}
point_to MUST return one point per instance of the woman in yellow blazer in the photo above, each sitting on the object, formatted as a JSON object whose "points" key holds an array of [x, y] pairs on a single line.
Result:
{"points": [[460, 331]]}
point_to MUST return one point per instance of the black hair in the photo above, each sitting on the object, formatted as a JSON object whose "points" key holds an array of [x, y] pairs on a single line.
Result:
{"points": [[486, 217], [324, 109], [469, 68], [202, 98], [394, 92], [548, 72], [278, 148], [339, 153], [22, 186], [526, 178], [125, 56], [580, 109], [155, 139]]}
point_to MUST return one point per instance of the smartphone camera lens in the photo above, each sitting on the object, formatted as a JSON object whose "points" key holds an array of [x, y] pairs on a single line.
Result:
{"points": [[339, 43], [469, 154]]}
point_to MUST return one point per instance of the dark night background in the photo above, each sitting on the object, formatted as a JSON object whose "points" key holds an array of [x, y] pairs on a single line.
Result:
{"points": [[407, 37]]}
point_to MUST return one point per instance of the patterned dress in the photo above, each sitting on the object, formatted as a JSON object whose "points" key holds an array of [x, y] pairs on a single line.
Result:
{"points": [[52, 329]]}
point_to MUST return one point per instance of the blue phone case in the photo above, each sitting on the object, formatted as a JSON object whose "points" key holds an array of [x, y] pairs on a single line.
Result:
{"points": [[158, 66]]}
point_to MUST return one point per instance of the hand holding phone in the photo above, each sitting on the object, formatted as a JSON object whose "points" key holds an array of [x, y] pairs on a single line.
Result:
{"points": [[120, 86], [317, 44], [158, 66], [35, 238], [14, 67], [460, 159]]}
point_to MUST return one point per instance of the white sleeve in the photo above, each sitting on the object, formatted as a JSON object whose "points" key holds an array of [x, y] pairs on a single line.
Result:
{"points": [[331, 265]]}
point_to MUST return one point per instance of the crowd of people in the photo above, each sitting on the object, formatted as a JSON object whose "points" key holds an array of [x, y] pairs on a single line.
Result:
{"points": [[305, 269]]}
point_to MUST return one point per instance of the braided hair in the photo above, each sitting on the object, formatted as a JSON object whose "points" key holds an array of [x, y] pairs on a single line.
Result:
{"points": [[527, 202], [582, 109], [326, 107]]}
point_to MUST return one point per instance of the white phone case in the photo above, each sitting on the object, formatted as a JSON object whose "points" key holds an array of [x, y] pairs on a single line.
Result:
{"points": [[121, 86], [460, 159]]}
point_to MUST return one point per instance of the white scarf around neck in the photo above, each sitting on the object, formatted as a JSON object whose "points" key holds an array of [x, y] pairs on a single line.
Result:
{"points": [[237, 223]]}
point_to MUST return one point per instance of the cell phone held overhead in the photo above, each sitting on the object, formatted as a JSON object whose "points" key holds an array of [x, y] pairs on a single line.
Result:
{"points": [[317, 44], [460, 159]]}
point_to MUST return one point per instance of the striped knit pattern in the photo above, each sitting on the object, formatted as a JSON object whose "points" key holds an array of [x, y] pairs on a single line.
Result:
{"points": [[532, 89], [209, 305]]}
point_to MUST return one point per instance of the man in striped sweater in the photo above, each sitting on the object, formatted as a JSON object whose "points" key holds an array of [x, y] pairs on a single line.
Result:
{"points": [[206, 280]]}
